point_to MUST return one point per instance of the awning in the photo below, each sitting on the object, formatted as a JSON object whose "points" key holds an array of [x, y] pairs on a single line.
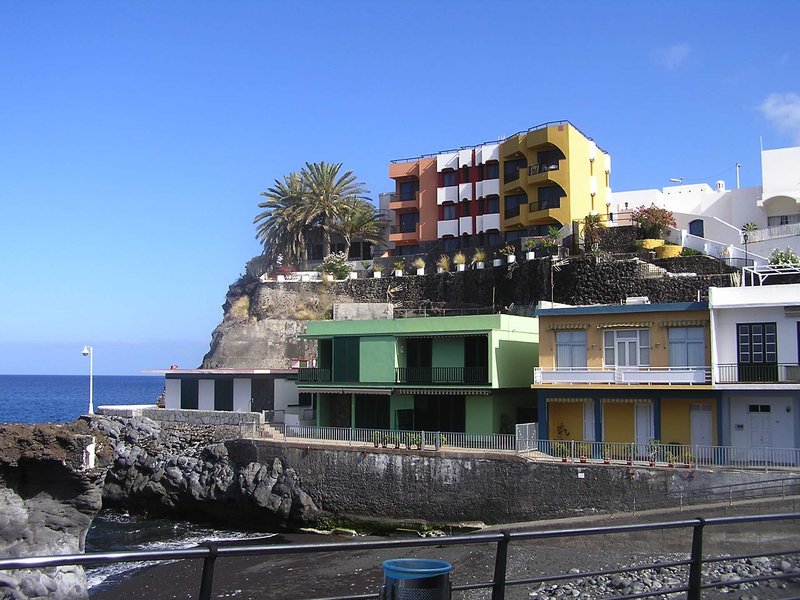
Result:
{"points": [[630, 324], [562, 326], [685, 323], [568, 400], [627, 400], [344, 390], [432, 391]]}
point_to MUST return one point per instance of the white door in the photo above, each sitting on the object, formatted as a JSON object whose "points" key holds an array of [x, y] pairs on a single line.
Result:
{"points": [[760, 425], [644, 426], [588, 421], [702, 425]]}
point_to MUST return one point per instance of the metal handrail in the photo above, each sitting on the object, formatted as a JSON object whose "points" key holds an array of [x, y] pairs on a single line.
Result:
{"points": [[693, 375], [441, 375], [758, 373], [210, 552]]}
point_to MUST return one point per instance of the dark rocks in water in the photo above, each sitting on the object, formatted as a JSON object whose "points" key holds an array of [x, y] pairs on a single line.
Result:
{"points": [[187, 470], [47, 501]]}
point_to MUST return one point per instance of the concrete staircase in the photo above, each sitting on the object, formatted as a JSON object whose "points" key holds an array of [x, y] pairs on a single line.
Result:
{"points": [[269, 432]]}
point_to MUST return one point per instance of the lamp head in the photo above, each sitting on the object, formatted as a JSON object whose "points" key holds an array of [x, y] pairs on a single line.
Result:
{"points": [[85, 351]]}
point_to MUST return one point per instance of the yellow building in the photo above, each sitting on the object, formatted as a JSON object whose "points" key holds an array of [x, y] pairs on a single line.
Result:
{"points": [[552, 175], [626, 373]]}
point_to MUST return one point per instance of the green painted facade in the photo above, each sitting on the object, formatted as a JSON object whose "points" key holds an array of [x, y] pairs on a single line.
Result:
{"points": [[467, 373]]}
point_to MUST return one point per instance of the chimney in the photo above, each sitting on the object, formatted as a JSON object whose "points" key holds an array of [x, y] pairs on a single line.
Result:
{"points": [[720, 185]]}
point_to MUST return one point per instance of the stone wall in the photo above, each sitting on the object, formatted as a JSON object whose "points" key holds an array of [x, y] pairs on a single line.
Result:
{"points": [[230, 425], [366, 484]]}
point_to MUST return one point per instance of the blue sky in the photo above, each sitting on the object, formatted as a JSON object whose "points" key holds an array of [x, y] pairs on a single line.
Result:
{"points": [[136, 136]]}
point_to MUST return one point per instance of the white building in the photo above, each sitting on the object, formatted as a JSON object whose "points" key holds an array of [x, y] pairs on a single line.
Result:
{"points": [[755, 353], [715, 216], [271, 391]]}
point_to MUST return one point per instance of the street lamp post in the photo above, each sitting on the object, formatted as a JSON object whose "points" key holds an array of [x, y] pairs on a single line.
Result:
{"points": [[89, 351]]}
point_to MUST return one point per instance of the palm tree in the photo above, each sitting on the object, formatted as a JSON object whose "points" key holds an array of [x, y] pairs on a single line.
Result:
{"points": [[591, 231], [280, 227], [358, 220], [324, 194]]}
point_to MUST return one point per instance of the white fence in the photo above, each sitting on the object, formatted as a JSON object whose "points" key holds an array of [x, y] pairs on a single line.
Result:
{"points": [[400, 439]]}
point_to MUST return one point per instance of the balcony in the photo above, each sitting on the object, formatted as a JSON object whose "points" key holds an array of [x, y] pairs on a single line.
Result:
{"points": [[399, 234], [487, 187], [447, 194], [404, 201], [313, 375], [542, 168], [442, 375], [775, 373], [622, 376], [448, 227], [538, 205]]}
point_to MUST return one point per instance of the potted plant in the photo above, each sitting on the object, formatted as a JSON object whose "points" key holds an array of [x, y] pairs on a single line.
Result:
{"points": [[440, 440], [606, 450], [509, 252], [398, 268], [395, 439], [415, 440], [584, 451], [561, 449], [653, 221], [443, 264], [377, 269], [530, 248], [479, 258], [377, 436], [419, 263], [550, 241], [496, 260], [460, 261]]}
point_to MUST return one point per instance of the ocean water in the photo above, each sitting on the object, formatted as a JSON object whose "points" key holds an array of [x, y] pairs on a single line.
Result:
{"points": [[64, 398]]}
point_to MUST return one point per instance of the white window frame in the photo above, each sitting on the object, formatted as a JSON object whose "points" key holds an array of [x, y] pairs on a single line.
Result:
{"points": [[687, 342], [571, 340], [613, 338]]}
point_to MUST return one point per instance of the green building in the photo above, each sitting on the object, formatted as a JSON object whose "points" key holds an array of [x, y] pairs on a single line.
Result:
{"points": [[464, 373]]}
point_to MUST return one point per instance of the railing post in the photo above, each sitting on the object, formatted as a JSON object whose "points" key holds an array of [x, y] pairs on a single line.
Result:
{"points": [[696, 562], [500, 562], [207, 579]]}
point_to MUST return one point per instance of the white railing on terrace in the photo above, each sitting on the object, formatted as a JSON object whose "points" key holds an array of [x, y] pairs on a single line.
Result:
{"points": [[401, 439], [658, 454], [772, 233], [622, 375]]}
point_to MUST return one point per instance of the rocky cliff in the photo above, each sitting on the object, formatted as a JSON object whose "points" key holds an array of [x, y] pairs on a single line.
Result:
{"points": [[188, 470], [47, 501]]}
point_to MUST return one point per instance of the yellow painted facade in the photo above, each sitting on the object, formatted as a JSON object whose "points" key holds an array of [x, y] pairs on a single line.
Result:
{"points": [[618, 422], [657, 322], [566, 420], [676, 419], [582, 175]]}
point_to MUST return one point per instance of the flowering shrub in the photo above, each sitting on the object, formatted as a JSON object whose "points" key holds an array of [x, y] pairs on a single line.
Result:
{"points": [[508, 250], [337, 265], [783, 257], [652, 220]]}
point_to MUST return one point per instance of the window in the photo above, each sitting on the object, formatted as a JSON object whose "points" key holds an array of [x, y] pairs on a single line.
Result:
{"points": [[492, 206], [448, 178], [407, 250], [465, 209], [548, 160], [696, 227], [493, 238], [514, 235], [449, 212], [570, 349], [408, 190], [465, 175], [686, 347], [782, 220], [549, 197], [757, 352], [626, 348], [511, 168], [513, 203], [491, 171], [409, 222], [450, 244], [542, 230]]}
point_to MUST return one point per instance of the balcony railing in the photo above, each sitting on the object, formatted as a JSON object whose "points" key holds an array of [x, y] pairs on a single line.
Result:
{"points": [[313, 375], [543, 205], [542, 168], [441, 375], [622, 375], [775, 373]]}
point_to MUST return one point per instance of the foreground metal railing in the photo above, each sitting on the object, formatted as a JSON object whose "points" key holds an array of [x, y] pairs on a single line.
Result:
{"points": [[692, 584]]}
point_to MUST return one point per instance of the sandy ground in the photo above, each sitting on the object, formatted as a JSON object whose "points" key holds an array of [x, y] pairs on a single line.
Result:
{"points": [[328, 574]]}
